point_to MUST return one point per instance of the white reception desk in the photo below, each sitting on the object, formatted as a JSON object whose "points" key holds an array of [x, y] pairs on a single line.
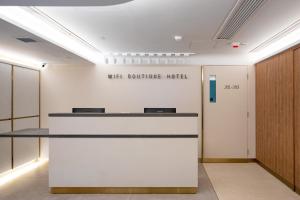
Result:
{"points": [[123, 153]]}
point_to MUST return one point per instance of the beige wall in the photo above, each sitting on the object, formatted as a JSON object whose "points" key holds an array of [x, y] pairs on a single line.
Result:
{"points": [[251, 140], [64, 87], [20, 86]]}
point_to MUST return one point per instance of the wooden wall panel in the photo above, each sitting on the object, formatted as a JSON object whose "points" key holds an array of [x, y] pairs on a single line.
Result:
{"points": [[274, 115], [297, 116]]}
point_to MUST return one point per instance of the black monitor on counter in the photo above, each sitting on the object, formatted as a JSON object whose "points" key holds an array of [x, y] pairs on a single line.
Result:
{"points": [[88, 110], [159, 110]]}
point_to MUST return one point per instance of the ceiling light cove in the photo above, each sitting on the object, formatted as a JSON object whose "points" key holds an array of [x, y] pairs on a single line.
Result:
{"points": [[147, 54], [19, 59], [62, 3], [33, 20], [146, 58], [281, 41]]}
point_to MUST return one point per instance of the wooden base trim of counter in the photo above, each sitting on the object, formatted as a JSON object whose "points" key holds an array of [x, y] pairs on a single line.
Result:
{"points": [[123, 190], [227, 160]]}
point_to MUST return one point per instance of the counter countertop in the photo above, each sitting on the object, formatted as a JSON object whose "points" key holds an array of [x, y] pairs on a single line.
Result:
{"points": [[32, 132], [36, 132], [123, 114]]}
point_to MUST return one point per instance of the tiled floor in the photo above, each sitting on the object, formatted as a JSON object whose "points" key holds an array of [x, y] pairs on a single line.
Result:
{"points": [[247, 181], [34, 186]]}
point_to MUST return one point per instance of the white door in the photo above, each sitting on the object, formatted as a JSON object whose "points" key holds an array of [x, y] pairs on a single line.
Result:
{"points": [[225, 112]]}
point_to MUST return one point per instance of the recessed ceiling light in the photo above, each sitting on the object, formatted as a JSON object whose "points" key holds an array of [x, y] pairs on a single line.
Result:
{"points": [[145, 54], [178, 38]]}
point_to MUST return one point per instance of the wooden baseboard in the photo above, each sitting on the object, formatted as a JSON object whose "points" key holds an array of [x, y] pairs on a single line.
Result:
{"points": [[123, 190], [226, 160], [297, 190], [283, 180]]}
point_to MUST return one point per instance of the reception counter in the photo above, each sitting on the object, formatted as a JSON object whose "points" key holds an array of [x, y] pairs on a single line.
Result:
{"points": [[123, 153]]}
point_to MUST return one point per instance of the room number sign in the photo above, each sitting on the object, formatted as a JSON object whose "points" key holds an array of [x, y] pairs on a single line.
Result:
{"points": [[232, 87]]}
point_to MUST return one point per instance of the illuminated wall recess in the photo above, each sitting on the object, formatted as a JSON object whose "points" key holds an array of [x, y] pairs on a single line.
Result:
{"points": [[17, 172]]}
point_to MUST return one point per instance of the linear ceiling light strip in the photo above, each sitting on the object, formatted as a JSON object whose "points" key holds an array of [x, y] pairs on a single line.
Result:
{"points": [[63, 28], [293, 27], [15, 58], [278, 45]]}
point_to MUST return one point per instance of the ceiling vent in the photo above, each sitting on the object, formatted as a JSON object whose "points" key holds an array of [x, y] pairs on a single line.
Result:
{"points": [[238, 16], [26, 40]]}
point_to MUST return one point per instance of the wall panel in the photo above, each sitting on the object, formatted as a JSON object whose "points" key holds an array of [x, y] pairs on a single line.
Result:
{"points": [[274, 115], [25, 149], [5, 147], [251, 109], [26, 92], [5, 91], [64, 87], [19, 86], [297, 116]]}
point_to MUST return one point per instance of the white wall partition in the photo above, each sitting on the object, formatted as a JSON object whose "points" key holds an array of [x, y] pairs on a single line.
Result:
{"points": [[5, 114], [25, 149], [25, 123], [5, 147], [64, 87], [21, 86], [26, 104], [5, 91], [26, 92]]}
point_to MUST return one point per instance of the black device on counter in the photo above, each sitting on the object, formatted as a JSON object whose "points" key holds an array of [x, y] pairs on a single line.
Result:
{"points": [[159, 110], [88, 110]]}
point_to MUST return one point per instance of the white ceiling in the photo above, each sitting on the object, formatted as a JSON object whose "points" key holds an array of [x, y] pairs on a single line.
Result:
{"points": [[61, 2], [42, 50], [146, 25], [149, 26], [273, 17]]}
